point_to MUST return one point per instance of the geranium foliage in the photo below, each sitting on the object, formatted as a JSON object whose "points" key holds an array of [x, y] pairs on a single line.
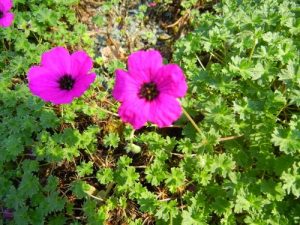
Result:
{"points": [[233, 157]]}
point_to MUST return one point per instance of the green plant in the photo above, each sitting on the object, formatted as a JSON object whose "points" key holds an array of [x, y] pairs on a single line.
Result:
{"points": [[78, 164]]}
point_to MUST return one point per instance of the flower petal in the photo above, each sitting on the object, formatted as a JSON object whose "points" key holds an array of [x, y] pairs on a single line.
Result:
{"points": [[7, 19], [82, 83], [6, 5], [170, 80], [52, 94], [57, 60], [40, 76], [144, 64], [63, 98], [125, 86], [135, 112], [164, 110], [42, 83], [81, 63]]}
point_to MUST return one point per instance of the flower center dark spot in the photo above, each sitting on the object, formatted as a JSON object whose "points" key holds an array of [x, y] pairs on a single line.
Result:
{"points": [[148, 91], [1, 14], [66, 82]]}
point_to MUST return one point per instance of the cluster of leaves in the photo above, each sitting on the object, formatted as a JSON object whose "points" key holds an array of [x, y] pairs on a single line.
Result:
{"points": [[243, 66], [77, 164], [30, 131]]}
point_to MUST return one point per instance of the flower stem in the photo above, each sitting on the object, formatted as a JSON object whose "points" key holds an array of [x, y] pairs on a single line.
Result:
{"points": [[62, 111], [131, 136], [191, 120], [109, 112]]}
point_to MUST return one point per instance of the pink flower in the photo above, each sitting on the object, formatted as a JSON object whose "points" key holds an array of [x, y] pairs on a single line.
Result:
{"points": [[149, 90], [152, 4], [61, 77], [6, 17]]}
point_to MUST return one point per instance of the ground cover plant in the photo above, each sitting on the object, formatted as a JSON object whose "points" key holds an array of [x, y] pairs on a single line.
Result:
{"points": [[231, 155]]}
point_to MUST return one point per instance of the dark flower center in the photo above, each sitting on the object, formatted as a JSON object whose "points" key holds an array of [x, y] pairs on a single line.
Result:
{"points": [[149, 91], [1, 14], [66, 82]]}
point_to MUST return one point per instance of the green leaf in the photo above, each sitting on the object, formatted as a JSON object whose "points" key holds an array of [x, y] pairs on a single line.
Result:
{"points": [[48, 119], [84, 169], [193, 219], [111, 140], [175, 180], [52, 203], [288, 139], [148, 202], [29, 185], [57, 220], [30, 166], [291, 180], [105, 176], [167, 210], [126, 178], [81, 188], [52, 183], [155, 173]]}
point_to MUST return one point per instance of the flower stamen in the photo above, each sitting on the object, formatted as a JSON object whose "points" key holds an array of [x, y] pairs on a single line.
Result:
{"points": [[66, 82], [149, 91]]}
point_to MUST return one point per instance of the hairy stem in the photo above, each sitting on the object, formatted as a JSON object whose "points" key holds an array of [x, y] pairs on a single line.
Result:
{"points": [[191, 120]]}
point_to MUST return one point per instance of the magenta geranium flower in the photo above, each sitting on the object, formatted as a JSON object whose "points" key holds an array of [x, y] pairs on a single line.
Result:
{"points": [[6, 17], [149, 90], [61, 77]]}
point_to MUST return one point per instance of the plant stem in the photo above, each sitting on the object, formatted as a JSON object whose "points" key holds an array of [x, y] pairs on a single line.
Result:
{"points": [[131, 136], [62, 111], [201, 64], [217, 57], [109, 112], [229, 138], [109, 187], [199, 131], [191, 120], [252, 50], [171, 219], [95, 197]]}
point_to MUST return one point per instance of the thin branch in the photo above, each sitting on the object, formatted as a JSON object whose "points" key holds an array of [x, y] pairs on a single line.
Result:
{"points": [[229, 138], [200, 62], [191, 120]]}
